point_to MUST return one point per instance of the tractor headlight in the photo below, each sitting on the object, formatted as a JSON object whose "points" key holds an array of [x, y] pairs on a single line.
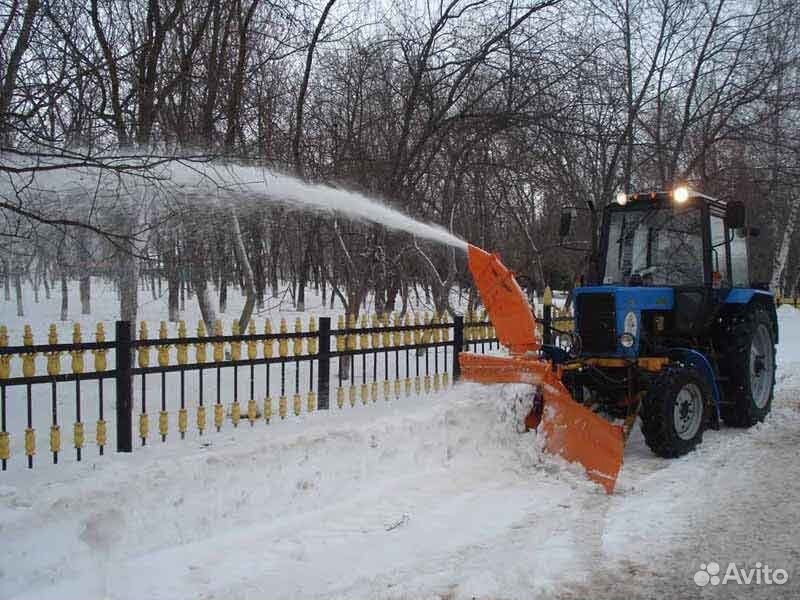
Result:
{"points": [[629, 330], [622, 198], [680, 194]]}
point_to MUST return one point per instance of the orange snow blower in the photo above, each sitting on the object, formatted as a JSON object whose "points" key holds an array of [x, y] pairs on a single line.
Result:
{"points": [[570, 430]]}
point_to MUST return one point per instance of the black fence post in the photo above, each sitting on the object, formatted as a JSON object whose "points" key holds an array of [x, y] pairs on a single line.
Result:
{"points": [[124, 358], [458, 345], [324, 363]]}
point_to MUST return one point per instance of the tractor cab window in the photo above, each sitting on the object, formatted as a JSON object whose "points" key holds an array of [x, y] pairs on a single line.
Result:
{"points": [[719, 253], [655, 246], [740, 275]]}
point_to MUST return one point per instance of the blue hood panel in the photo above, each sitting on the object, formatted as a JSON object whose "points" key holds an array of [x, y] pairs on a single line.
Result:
{"points": [[630, 300], [634, 298]]}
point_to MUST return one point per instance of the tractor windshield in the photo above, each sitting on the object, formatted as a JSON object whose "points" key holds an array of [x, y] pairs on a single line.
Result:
{"points": [[655, 246]]}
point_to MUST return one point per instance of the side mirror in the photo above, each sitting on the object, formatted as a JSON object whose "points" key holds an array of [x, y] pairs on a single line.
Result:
{"points": [[735, 214], [566, 222]]}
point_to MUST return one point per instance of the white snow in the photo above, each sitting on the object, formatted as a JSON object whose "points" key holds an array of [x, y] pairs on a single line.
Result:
{"points": [[431, 497]]}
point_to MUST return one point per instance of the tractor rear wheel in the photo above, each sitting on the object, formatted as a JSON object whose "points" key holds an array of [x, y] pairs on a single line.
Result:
{"points": [[674, 409], [750, 361]]}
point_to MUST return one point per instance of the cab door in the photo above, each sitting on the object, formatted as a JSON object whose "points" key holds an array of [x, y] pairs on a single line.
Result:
{"points": [[720, 254]]}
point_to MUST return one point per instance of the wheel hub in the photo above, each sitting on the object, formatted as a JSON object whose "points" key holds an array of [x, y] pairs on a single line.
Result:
{"points": [[761, 366], [688, 411]]}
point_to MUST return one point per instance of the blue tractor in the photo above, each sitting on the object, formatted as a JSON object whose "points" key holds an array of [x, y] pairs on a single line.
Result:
{"points": [[673, 330]]}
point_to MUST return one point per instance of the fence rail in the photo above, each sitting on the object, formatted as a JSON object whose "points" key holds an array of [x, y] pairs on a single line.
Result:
{"points": [[790, 301], [235, 377]]}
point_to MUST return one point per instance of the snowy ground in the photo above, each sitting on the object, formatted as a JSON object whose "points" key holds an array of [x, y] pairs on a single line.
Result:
{"points": [[434, 497]]}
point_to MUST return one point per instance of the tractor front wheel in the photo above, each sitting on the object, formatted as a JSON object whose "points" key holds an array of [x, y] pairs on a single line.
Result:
{"points": [[674, 409]]}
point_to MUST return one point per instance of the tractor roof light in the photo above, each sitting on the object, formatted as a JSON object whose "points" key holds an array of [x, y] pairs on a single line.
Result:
{"points": [[622, 198], [680, 194]]}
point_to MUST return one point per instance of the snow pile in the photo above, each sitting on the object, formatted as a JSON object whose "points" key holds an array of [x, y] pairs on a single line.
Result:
{"points": [[303, 508]]}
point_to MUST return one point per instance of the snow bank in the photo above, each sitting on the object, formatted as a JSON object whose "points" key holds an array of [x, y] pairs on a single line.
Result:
{"points": [[301, 510]]}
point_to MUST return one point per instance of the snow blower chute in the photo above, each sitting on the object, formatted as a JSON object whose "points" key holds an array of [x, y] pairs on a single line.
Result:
{"points": [[570, 430]]}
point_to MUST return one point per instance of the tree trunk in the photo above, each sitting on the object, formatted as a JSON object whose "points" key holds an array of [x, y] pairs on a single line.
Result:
{"points": [[223, 291], [247, 272], [6, 281], [174, 284], [173, 291], [302, 282], [259, 271], [795, 284], [237, 87], [18, 289], [296, 153], [153, 283], [128, 273], [13, 64], [273, 275], [781, 256], [391, 297], [352, 307], [404, 298], [112, 74], [200, 286], [198, 279], [64, 297], [85, 290]]}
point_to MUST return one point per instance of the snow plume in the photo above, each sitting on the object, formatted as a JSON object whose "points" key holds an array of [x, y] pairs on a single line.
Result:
{"points": [[118, 180], [252, 184]]}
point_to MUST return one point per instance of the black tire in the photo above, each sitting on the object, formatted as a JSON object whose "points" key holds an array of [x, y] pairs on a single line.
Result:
{"points": [[674, 410], [749, 357]]}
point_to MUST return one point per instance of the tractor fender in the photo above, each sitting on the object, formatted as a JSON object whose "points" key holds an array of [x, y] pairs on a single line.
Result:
{"points": [[700, 362], [745, 295], [741, 297]]}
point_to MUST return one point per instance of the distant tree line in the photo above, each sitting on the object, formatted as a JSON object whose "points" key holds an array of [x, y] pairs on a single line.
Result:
{"points": [[485, 116]]}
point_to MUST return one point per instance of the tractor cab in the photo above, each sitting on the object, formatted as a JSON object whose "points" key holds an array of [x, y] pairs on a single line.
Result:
{"points": [[680, 239], [670, 262]]}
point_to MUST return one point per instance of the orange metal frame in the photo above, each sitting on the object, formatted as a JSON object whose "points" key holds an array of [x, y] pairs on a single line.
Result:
{"points": [[571, 430]]}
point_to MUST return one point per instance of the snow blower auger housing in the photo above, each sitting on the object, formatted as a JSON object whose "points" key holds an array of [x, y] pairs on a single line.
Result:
{"points": [[673, 332]]}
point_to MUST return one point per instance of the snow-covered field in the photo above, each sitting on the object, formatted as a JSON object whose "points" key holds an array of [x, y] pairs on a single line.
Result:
{"points": [[432, 497]]}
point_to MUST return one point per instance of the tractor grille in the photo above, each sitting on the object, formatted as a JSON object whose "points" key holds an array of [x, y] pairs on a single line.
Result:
{"points": [[596, 323]]}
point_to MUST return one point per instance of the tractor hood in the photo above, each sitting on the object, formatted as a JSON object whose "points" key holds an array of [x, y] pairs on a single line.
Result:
{"points": [[643, 298], [604, 313]]}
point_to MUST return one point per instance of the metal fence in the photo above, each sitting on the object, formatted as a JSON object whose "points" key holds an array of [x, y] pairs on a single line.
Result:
{"points": [[791, 301], [206, 377]]}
